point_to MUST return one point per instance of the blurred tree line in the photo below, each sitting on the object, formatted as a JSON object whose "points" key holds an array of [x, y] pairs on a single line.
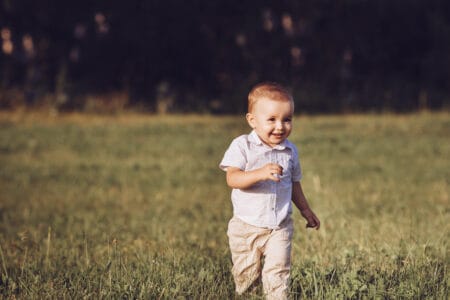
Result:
{"points": [[173, 55]]}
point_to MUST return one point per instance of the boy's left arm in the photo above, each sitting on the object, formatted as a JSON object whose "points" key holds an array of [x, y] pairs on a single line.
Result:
{"points": [[299, 199]]}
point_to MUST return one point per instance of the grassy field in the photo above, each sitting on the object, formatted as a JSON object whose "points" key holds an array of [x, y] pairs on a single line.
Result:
{"points": [[136, 207]]}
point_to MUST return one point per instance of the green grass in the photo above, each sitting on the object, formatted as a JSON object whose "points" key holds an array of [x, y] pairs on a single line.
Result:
{"points": [[136, 207]]}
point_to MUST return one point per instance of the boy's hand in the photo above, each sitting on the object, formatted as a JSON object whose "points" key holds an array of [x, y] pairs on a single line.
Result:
{"points": [[239, 179], [311, 218], [271, 172]]}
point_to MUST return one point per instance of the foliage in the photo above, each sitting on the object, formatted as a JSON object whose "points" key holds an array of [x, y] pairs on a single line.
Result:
{"points": [[198, 56], [136, 207]]}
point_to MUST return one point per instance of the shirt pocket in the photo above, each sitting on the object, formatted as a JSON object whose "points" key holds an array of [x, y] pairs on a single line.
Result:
{"points": [[285, 161], [258, 160]]}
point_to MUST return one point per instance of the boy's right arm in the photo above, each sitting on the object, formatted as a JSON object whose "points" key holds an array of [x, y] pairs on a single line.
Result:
{"points": [[239, 179]]}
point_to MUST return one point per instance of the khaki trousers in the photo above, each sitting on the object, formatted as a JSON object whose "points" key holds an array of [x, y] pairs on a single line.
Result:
{"points": [[248, 244]]}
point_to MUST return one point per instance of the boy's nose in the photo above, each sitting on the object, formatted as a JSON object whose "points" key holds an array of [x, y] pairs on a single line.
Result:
{"points": [[279, 125]]}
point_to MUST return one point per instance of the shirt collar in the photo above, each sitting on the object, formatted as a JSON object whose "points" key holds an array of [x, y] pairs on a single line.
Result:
{"points": [[254, 138]]}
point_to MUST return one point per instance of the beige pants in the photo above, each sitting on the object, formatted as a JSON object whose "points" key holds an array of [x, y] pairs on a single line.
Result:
{"points": [[248, 244]]}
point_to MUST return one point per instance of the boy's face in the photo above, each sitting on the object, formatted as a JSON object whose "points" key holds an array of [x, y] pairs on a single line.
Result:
{"points": [[271, 120]]}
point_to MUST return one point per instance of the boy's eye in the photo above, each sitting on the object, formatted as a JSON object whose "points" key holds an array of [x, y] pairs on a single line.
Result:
{"points": [[287, 120], [271, 119]]}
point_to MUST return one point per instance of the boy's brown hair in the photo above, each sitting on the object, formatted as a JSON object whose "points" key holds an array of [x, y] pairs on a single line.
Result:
{"points": [[271, 90]]}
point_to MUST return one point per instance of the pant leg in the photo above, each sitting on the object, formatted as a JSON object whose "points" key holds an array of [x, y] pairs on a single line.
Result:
{"points": [[246, 244], [277, 263]]}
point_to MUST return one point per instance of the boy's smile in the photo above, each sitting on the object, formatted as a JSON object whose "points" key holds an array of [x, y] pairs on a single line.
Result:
{"points": [[271, 120]]}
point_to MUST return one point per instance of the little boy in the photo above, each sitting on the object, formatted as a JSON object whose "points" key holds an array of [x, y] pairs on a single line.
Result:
{"points": [[264, 171]]}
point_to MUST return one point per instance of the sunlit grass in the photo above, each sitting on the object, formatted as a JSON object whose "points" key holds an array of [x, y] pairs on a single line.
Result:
{"points": [[135, 206]]}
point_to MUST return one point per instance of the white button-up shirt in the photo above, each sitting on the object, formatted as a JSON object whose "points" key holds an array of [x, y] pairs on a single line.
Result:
{"points": [[266, 203]]}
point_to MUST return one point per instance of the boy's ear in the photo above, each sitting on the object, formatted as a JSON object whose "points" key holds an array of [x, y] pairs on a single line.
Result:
{"points": [[250, 120]]}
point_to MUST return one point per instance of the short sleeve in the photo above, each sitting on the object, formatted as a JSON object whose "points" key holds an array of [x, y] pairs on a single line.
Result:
{"points": [[235, 155], [296, 168]]}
